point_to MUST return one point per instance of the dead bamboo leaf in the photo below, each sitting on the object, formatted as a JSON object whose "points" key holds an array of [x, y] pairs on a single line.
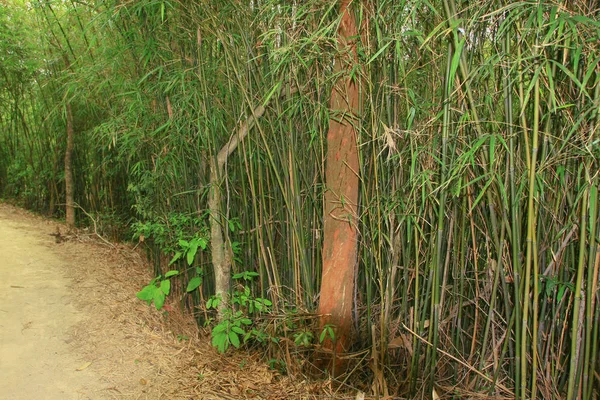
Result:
{"points": [[84, 366]]}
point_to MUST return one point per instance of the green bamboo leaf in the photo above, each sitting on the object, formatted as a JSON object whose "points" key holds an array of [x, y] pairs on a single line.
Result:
{"points": [[378, 53], [480, 195], [590, 71], [572, 77], [492, 149], [455, 63], [176, 257], [322, 336], [271, 93], [531, 86]]}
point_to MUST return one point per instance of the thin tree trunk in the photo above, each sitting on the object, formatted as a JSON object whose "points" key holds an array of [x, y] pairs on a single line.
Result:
{"points": [[341, 197], [52, 205], [221, 256], [221, 265], [69, 170]]}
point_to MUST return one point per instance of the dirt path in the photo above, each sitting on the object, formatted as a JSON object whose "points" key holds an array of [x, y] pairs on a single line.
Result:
{"points": [[36, 312], [72, 328]]}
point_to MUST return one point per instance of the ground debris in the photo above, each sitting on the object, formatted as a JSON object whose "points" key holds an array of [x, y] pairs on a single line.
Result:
{"points": [[136, 351]]}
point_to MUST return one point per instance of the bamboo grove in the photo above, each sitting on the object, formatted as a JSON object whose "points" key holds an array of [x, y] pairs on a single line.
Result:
{"points": [[478, 142]]}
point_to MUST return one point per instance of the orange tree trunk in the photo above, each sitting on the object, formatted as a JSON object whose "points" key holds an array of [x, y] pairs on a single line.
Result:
{"points": [[341, 196]]}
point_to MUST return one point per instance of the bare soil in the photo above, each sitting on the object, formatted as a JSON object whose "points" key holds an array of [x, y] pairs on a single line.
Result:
{"points": [[72, 328]]}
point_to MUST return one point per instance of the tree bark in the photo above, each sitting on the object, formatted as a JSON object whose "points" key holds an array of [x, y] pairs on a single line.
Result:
{"points": [[221, 255], [69, 169], [341, 197]]}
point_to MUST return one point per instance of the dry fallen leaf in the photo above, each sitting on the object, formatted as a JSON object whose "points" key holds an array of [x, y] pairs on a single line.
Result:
{"points": [[84, 366]]}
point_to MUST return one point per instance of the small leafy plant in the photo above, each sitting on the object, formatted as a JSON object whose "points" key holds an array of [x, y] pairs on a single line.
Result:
{"points": [[157, 290], [327, 331], [303, 338], [188, 249], [229, 331], [181, 337], [235, 328]]}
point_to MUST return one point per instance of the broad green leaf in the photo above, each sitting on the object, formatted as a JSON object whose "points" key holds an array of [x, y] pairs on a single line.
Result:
{"points": [[561, 292], [238, 330], [147, 293], [193, 284], [234, 339], [165, 286], [221, 342], [192, 250], [159, 299], [171, 273], [218, 329]]}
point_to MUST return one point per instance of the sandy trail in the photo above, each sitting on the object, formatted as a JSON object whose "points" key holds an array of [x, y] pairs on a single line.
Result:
{"points": [[36, 314], [71, 327]]}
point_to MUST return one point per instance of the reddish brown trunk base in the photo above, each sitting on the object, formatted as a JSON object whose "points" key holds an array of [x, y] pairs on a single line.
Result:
{"points": [[341, 198]]}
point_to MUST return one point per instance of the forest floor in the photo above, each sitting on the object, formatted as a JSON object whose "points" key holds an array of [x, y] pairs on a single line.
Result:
{"points": [[71, 327]]}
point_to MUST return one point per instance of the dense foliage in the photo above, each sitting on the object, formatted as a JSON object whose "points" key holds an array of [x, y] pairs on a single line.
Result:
{"points": [[479, 144]]}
